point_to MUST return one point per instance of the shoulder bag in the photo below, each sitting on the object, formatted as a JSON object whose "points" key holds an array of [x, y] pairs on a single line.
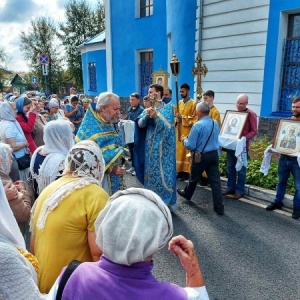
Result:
{"points": [[65, 277], [23, 162], [196, 154]]}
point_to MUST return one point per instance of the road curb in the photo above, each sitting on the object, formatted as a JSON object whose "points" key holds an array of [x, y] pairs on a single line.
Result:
{"points": [[256, 192]]}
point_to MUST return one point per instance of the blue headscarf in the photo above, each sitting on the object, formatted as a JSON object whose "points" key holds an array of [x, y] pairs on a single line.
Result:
{"points": [[20, 105]]}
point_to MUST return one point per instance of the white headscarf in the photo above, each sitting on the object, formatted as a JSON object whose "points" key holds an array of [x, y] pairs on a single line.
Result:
{"points": [[10, 232], [8, 225], [5, 154], [86, 164], [134, 225], [58, 138], [8, 114]]}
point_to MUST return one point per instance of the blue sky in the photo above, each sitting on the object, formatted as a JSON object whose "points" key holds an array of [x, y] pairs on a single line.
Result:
{"points": [[15, 16]]}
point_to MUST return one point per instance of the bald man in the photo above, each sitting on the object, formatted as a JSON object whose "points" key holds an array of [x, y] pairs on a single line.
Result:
{"points": [[237, 179]]}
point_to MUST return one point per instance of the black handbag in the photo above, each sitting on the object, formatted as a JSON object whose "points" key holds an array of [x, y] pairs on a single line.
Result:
{"points": [[197, 156], [23, 162]]}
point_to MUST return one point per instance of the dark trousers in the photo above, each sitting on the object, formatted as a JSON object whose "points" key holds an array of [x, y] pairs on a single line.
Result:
{"points": [[210, 164], [131, 146]]}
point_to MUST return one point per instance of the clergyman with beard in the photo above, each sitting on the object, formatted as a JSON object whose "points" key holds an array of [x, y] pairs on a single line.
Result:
{"points": [[99, 125]]}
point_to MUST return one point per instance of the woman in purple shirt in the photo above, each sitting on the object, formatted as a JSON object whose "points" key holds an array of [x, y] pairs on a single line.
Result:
{"points": [[133, 226]]}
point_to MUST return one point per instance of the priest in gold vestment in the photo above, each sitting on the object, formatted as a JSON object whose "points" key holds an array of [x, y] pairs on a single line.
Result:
{"points": [[185, 119]]}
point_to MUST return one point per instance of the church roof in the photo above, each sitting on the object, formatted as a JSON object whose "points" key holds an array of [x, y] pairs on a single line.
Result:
{"points": [[99, 38]]}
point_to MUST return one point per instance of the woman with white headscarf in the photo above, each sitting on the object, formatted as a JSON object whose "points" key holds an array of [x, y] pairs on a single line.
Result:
{"points": [[47, 162], [134, 225], [11, 133], [16, 194], [65, 212], [18, 268]]}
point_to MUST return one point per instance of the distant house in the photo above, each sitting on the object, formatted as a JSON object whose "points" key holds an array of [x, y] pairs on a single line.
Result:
{"points": [[18, 84]]}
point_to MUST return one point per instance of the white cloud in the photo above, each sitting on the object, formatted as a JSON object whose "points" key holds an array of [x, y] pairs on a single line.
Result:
{"points": [[15, 16]]}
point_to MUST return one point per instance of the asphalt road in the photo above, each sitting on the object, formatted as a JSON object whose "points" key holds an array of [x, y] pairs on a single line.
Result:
{"points": [[249, 253]]}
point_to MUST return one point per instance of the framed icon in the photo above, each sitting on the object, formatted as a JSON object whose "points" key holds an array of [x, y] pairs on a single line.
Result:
{"points": [[160, 77], [287, 137], [233, 124]]}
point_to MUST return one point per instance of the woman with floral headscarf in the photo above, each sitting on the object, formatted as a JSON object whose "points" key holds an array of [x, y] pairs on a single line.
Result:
{"points": [[65, 212], [47, 162], [18, 268], [26, 118]]}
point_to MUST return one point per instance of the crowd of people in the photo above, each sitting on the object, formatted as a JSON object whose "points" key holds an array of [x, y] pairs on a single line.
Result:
{"points": [[63, 172]]}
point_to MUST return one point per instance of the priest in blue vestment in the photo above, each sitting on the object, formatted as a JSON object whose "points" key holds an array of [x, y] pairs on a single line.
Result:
{"points": [[155, 148], [100, 126]]}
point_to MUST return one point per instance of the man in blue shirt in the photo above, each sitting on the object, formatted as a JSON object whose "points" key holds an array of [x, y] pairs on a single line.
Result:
{"points": [[203, 143]]}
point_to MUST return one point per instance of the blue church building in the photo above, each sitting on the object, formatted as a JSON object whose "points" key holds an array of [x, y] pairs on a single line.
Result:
{"points": [[140, 38], [250, 47]]}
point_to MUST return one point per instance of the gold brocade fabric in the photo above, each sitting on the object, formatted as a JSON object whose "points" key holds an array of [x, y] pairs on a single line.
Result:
{"points": [[189, 118], [215, 115], [31, 258]]}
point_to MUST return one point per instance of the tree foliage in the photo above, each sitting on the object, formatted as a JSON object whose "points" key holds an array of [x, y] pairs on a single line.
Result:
{"points": [[41, 38], [82, 22], [3, 58]]}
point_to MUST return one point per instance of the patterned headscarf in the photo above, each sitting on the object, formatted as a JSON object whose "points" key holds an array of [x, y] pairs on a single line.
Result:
{"points": [[86, 164], [85, 159], [134, 225]]}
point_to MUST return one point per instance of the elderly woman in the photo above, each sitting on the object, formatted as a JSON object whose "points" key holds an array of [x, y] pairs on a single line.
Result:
{"points": [[16, 193], [65, 212], [52, 108], [11, 133], [134, 225], [47, 162], [26, 116], [18, 268]]}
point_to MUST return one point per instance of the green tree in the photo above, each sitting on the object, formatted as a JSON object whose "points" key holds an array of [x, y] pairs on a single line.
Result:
{"points": [[41, 38], [82, 22], [3, 58]]}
